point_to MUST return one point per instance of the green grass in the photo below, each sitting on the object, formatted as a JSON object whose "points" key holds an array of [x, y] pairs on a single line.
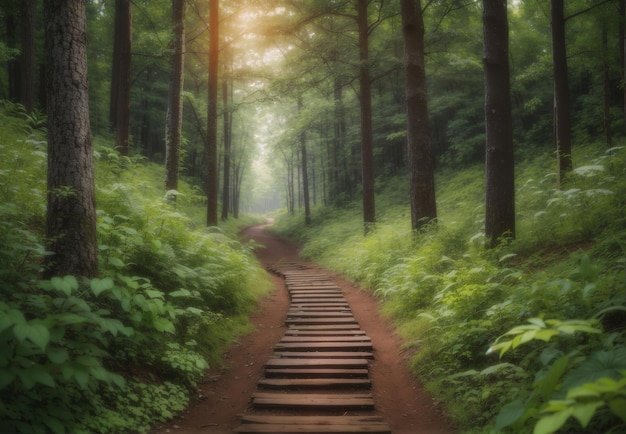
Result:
{"points": [[452, 299]]}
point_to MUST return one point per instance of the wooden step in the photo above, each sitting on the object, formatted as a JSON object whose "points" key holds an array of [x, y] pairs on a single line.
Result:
{"points": [[317, 314], [314, 321], [336, 304], [310, 420], [325, 327], [343, 401], [311, 308], [276, 363], [324, 332], [314, 383], [371, 427], [363, 338], [315, 373], [326, 354], [323, 346]]}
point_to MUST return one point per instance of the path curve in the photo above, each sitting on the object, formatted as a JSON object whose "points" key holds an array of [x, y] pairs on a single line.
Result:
{"points": [[226, 392]]}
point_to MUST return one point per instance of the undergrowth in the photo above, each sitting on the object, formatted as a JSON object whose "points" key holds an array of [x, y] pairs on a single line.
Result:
{"points": [[527, 336], [124, 351]]}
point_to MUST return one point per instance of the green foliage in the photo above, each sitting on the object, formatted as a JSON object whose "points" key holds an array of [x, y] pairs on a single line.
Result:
{"points": [[563, 280], [123, 351]]}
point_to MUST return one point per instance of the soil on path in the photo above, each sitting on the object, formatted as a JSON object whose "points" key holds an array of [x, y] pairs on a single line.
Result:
{"points": [[227, 390]]}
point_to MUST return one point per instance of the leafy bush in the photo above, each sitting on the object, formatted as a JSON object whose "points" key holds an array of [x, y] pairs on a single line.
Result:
{"points": [[123, 351]]}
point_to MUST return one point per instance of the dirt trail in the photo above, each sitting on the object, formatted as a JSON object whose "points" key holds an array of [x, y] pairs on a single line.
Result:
{"points": [[227, 391]]}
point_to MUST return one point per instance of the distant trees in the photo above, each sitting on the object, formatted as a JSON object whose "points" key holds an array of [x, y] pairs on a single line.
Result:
{"points": [[71, 212]]}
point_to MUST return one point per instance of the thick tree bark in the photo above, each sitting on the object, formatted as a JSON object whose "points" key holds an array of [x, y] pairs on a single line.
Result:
{"points": [[500, 177], [419, 146], [213, 176], [367, 157], [27, 57], [71, 215], [561, 91], [174, 119]]}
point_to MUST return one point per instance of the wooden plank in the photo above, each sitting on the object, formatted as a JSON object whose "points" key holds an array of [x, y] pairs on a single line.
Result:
{"points": [[364, 338], [323, 308], [316, 363], [313, 321], [310, 420], [315, 373], [326, 354], [342, 401], [316, 292], [323, 346], [336, 304], [307, 300], [371, 427], [314, 383], [307, 288], [318, 314], [324, 332], [325, 327]]}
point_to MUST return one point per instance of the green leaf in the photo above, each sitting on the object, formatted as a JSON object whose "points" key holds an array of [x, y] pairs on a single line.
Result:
{"points": [[57, 355], [584, 411], [151, 293], [54, 424], [598, 365], [38, 334], [66, 284], [11, 317], [163, 325], [81, 376], [6, 377], [98, 286], [551, 423], [547, 384], [618, 407], [510, 413], [35, 375]]}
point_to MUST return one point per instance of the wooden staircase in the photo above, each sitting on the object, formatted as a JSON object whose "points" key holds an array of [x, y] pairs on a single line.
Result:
{"points": [[317, 381]]}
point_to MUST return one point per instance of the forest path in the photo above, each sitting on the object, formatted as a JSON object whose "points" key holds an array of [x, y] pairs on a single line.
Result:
{"points": [[226, 395]]}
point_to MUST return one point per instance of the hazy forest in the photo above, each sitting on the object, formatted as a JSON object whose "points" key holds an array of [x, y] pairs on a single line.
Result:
{"points": [[464, 160]]}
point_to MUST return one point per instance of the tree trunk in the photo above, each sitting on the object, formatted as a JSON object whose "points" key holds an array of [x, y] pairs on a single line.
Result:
{"points": [[27, 57], [499, 165], [212, 169], [561, 92], [367, 157], [227, 149], [606, 92], [622, 54], [174, 119], [119, 110], [71, 214], [419, 146], [305, 174]]}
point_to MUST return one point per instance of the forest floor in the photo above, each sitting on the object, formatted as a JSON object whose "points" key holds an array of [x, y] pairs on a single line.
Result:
{"points": [[225, 394]]}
